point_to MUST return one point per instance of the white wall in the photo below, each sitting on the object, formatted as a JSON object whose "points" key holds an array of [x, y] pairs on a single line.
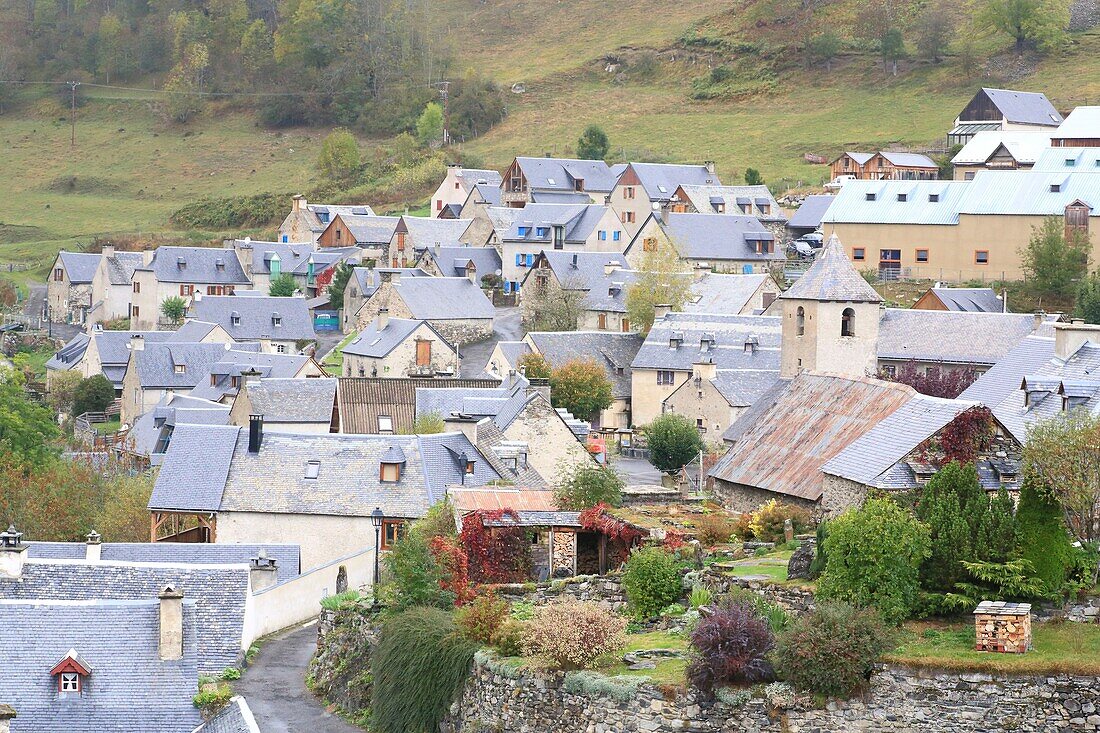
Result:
{"points": [[323, 538]]}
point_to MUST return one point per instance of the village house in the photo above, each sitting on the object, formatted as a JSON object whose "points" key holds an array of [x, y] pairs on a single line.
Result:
{"points": [[456, 308], [149, 437], [481, 197], [253, 485], [287, 405], [749, 346], [557, 181], [112, 288], [387, 405], [371, 234], [971, 300], [474, 263], [596, 278], [181, 272], [229, 374], [885, 166], [399, 347], [568, 227], [999, 150], [742, 295], [713, 400], [311, 267], [728, 243], [489, 224], [959, 229], [414, 234], [458, 184], [279, 325], [747, 200], [306, 221], [363, 283], [1080, 130], [1003, 110], [86, 288], [645, 187]]}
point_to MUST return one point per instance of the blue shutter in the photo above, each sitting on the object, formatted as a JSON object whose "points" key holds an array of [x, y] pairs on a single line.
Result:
{"points": [[746, 269], [530, 260], [285, 238], [616, 236], [602, 235]]}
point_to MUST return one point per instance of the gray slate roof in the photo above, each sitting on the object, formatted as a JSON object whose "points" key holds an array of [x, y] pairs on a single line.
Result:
{"points": [[219, 592], [80, 266], [717, 293], [199, 265], [480, 176], [121, 266], [503, 404], [717, 237], [156, 363], [707, 199], [614, 351], [426, 232], [193, 474], [444, 298], [488, 192], [376, 344], [369, 279], [287, 557], [560, 174], [70, 354], [157, 425], [236, 717], [728, 351], [660, 180], [129, 689], [976, 300], [236, 363], [832, 278], [512, 351], [950, 336], [293, 400], [251, 319], [452, 261], [580, 270], [743, 388], [810, 213], [371, 230], [1032, 108], [579, 221]]}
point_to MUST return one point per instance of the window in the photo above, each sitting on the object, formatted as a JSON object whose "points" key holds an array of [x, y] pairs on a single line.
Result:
{"points": [[981, 257], [313, 469], [423, 353], [848, 322], [1055, 187], [903, 197], [616, 236], [890, 370], [859, 253], [187, 289], [276, 321], [666, 377], [280, 348], [626, 325], [389, 472], [524, 231], [601, 321], [181, 368], [700, 425], [59, 274], [235, 319], [542, 231], [602, 236], [385, 424], [134, 311], [933, 197], [628, 217], [213, 290], [800, 320], [765, 209], [649, 244], [137, 287], [393, 530], [870, 196], [339, 234], [469, 468], [628, 192], [286, 238], [922, 255], [719, 208], [69, 682]]}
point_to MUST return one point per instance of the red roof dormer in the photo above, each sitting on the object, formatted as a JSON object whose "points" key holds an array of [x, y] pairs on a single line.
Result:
{"points": [[71, 673]]}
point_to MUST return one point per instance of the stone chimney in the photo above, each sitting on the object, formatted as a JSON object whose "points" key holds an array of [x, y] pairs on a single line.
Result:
{"points": [[610, 267], [1069, 337], [1038, 319], [661, 310], [705, 369], [171, 623], [94, 547], [297, 203], [383, 319], [251, 375], [7, 712], [541, 386], [137, 342], [395, 278], [108, 250], [13, 553], [709, 165], [262, 571], [471, 273]]}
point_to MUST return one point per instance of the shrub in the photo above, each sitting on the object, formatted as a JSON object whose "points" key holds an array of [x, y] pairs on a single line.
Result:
{"points": [[743, 527], [832, 651], [417, 577], [340, 600], [767, 521], [574, 634], [584, 485], [673, 442], [522, 610], [231, 673], [481, 618], [93, 394], [1041, 535], [440, 520], [700, 596], [211, 701], [875, 554], [621, 688], [508, 637], [730, 647], [419, 666], [777, 617], [714, 529], [651, 581]]}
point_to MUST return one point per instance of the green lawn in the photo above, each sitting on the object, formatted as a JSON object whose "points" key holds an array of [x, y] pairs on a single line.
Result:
{"points": [[668, 671], [335, 358], [772, 566], [1058, 648]]}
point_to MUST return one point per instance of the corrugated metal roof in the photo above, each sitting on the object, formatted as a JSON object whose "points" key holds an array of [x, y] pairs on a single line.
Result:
{"points": [[1024, 145], [1069, 159], [1083, 122], [1030, 192], [360, 400], [853, 205]]}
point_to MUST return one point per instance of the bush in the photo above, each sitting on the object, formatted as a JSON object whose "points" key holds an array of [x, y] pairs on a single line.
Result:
{"points": [[673, 442], [651, 581], [874, 558], [522, 610], [417, 578], [584, 485], [480, 619], [231, 673], [714, 529], [439, 521], [509, 636], [574, 634], [622, 688], [93, 394], [239, 212], [777, 617], [419, 666], [730, 647], [211, 701], [832, 651], [340, 600], [1041, 536], [700, 596], [767, 521]]}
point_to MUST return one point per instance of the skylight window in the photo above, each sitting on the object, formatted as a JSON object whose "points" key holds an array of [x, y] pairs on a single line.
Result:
{"points": [[551, 181], [313, 469], [385, 424], [933, 197], [662, 189]]}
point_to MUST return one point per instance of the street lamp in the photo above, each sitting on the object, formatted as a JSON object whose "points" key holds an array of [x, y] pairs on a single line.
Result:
{"points": [[376, 520]]}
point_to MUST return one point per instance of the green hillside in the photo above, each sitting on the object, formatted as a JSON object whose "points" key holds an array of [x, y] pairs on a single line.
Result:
{"points": [[763, 107]]}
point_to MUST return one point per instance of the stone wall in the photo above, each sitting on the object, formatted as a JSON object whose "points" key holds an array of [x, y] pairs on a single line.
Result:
{"points": [[498, 698], [606, 590], [793, 598], [1084, 14], [339, 672]]}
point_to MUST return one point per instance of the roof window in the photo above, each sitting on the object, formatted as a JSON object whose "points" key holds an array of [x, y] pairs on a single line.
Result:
{"points": [[551, 181], [276, 320], [870, 196], [70, 673], [313, 469], [385, 424], [1070, 162], [933, 197], [1055, 187], [903, 197]]}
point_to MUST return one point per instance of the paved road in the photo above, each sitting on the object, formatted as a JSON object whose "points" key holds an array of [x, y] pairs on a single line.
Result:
{"points": [[275, 687], [635, 471], [506, 327]]}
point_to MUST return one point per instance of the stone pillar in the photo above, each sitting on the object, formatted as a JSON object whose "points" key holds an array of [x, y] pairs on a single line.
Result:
{"points": [[171, 623]]}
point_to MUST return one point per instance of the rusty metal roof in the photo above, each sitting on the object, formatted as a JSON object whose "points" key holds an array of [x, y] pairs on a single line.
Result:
{"points": [[360, 400], [814, 418], [489, 498]]}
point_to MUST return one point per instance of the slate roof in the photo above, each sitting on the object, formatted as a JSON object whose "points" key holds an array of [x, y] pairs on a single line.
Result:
{"points": [[156, 362], [512, 351], [71, 353], [293, 400], [1025, 146], [717, 237], [1067, 159], [660, 180], [578, 220], [236, 363], [361, 400], [369, 279], [559, 174], [561, 197], [742, 388], [479, 176], [251, 319], [832, 278], [371, 230], [194, 330], [950, 336], [503, 404], [1032, 108], [1082, 123], [157, 425], [810, 213], [444, 298], [452, 261], [196, 480], [613, 350], [287, 557], [782, 447], [290, 255], [973, 300], [488, 192], [704, 198], [728, 294], [236, 717], [426, 232], [80, 266], [129, 689], [580, 270], [219, 592], [490, 440], [728, 350], [376, 344], [121, 266], [200, 265]]}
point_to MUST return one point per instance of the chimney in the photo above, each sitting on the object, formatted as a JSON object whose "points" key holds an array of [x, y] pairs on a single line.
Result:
{"points": [[370, 278], [383, 319], [251, 375], [94, 547], [262, 572], [1004, 301], [137, 342], [661, 310], [255, 433], [436, 251], [709, 165], [541, 386], [108, 250], [147, 257], [297, 203], [171, 623], [705, 369], [13, 553], [610, 267], [510, 378], [395, 278], [7, 712], [1069, 337], [471, 273]]}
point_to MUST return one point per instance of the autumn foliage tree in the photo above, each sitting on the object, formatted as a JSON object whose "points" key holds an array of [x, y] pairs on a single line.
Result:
{"points": [[496, 546], [535, 366], [582, 387], [1064, 454], [933, 381]]}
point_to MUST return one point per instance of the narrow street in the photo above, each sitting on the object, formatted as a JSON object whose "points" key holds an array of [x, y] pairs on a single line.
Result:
{"points": [[506, 327]]}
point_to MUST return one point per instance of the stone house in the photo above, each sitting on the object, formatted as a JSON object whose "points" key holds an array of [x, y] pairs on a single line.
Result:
{"points": [[387, 405], [112, 288], [182, 272], [1004, 110], [644, 187], [311, 266], [456, 308], [458, 184], [288, 405], [474, 263], [150, 435], [414, 234], [557, 180], [399, 347], [371, 234], [69, 287], [742, 295], [306, 221], [739, 200], [713, 400], [362, 284], [597, 280], [729, 243], [481, 196], [279, 325]]}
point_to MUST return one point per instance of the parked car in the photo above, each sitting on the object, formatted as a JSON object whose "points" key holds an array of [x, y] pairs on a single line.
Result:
{"points": [[813, 239], [838, 182], [800, 249]]}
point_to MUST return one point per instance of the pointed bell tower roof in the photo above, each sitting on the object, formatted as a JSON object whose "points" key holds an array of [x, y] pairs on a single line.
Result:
{"points": [[832, 278]]}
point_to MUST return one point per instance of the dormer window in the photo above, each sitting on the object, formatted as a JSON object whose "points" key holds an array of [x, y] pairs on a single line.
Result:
{"points": [[933, 197], [751, 343], [524, 231], [468, 469], [389, 472], [70, 673], [1070, 162], [1055, 187], [542, 231], [219, 264], [235, 318], [903, 197], [675, 340], [870, 197], [181, 263], [68, 682], [313, 469], [276, 320], [181, 368]]}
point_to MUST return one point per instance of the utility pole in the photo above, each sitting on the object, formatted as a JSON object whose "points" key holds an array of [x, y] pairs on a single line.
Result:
{"points": [[72, 88], [444, 93]]}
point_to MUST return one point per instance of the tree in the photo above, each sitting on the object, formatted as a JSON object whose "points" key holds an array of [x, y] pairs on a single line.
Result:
{"points": [[581, 386], [341, 276], [1041, 536], [94, 394], [110, 31], [585, 484], [62, 387], [535, 366], [892, 46], [428, 423], [257, 51], [282, 286], [340, 158], [997, 535], [663, 279], [753, 177], [1038, 23], [875, 553], [593, 144], [27, 430], [935, 29], [429, 126], [416, 577], [173, 308], [948, 506], [933, 381], [1064, 455], [1088, 299], [673, 442], [476, 105], [124, 516], [552, 307], [1053, 263], [823, 48]]}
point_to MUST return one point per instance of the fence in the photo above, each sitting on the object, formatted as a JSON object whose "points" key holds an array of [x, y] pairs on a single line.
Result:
{"points": [[941, 274]]}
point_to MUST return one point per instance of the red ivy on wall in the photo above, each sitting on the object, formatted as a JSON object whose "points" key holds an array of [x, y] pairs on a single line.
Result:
{"points": [[495, 554], [456, 571], [621, 534]]}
